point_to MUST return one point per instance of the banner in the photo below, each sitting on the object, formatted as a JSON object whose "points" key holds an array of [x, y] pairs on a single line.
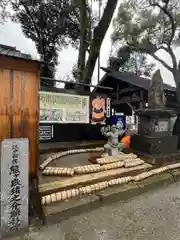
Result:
{"points": [[98, 109], [63, 108]]}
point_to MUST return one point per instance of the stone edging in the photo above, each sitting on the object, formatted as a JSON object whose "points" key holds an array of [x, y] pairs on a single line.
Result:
{"points": [[64, 210], [68, 194], [62, 154]]}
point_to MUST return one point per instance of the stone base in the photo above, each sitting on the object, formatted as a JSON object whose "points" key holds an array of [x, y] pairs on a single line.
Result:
{"points": [[156, 112], [113, 152], [155, 146]]}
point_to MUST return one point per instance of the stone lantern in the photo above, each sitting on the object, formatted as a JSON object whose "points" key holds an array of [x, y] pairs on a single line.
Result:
{"points": [[154, 138]]}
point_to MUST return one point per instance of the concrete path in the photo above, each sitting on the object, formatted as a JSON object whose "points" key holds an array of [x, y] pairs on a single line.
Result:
{"points": [[152, 216]]}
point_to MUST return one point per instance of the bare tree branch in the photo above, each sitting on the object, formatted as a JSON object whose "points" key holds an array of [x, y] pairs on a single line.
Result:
{"points": [[161, 61], [174, 61], [171, 53], [153, 54]]}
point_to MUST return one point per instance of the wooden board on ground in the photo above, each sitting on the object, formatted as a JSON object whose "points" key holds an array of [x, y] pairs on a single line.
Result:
{"points": [[75, 181]]}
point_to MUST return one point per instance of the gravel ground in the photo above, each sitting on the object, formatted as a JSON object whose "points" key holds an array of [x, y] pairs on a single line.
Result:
{"points": [[153, 215]]}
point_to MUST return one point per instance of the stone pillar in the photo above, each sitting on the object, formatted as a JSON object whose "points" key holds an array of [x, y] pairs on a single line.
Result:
{"points": [[14, 185]]}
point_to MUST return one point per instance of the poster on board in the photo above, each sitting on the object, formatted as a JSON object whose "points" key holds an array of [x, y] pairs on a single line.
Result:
{"points": [[63, 108], [46, 132], [100, 109]]}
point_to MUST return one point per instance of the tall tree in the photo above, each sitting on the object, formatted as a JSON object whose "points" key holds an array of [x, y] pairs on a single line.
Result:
{"points": [[51, 25], [148, 26], [84, 21], [92, 45], [137, 63], [3, 10], [98, 36]]}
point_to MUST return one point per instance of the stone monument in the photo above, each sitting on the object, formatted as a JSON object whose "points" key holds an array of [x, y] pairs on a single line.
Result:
{"points": [[113, 146], [154, 137], [14, 185]]}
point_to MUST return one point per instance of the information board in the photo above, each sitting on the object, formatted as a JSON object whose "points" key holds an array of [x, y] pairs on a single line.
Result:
{"points": [[161, 126], [63, 108], [46, 132]]}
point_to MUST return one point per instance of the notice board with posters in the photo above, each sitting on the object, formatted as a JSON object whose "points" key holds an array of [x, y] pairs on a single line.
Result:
{"points": [[100, 108], [63, 108]]}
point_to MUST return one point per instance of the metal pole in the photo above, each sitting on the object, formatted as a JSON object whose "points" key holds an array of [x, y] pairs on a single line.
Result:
{"points": [[78, 83]]}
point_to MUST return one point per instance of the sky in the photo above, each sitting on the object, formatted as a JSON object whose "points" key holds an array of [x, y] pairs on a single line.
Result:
{"points": [[11, 34]]}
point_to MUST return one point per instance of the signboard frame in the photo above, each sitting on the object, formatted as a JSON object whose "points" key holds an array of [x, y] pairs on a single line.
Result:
{"points": [[62, 111]]}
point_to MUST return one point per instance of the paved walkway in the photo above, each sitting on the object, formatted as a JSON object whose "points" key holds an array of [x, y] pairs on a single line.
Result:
{"points": [[151, 216]]}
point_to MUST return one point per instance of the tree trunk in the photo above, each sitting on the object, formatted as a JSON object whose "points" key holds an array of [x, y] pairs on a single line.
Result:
{"points": [[83, 39], [46, 71], [98, 37]]}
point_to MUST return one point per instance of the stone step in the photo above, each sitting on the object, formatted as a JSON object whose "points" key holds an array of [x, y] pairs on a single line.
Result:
{"points": [[82, 180], [64, 209]]}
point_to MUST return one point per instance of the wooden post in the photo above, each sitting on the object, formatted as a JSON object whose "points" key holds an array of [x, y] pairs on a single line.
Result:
{"points": [[117, 92], [141, 99]]}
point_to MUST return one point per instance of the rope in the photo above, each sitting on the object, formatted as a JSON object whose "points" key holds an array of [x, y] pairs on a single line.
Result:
{"points": [[68, 194]]}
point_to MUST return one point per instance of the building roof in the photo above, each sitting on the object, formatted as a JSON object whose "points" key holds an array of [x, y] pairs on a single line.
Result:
{"points": [[131, 78], [10, 51]]}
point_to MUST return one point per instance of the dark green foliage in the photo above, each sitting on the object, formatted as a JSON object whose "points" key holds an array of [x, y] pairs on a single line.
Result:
{"points": [[134, 62], [51, 25], [148, 26], [3, 11]]}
